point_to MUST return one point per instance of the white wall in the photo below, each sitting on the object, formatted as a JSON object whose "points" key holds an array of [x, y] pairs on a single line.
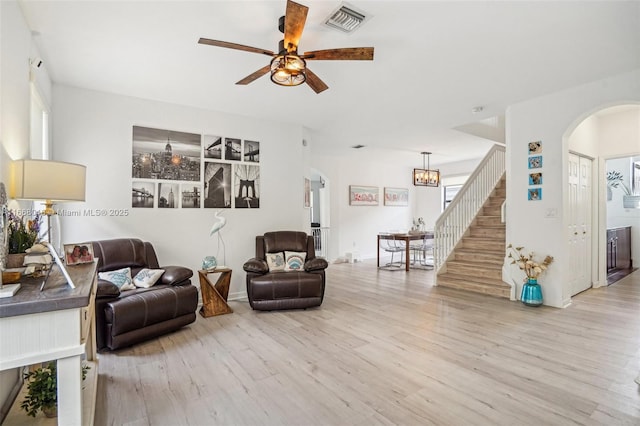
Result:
{"points": [[429, 200], [619, 132], [551, 119], [585, 138], [95, 129], [356, 227]]}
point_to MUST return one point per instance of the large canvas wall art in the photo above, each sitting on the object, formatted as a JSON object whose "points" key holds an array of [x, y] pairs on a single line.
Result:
{"points": [[172, 169], [165, 155]]}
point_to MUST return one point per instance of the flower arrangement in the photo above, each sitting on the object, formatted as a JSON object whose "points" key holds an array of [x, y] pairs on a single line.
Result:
{"points": [[22, 234], [615, 179], [418, 224], [531, 267]]}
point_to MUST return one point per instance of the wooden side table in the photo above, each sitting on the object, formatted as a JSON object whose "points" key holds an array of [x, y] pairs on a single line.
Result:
{"points": [[214, 297]]}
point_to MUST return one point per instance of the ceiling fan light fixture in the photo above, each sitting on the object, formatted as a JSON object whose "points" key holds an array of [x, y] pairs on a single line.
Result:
{"points": [[288, 70]]}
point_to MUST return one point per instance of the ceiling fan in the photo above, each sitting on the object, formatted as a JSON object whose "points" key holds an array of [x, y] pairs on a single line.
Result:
{"points": [[288, 68]]}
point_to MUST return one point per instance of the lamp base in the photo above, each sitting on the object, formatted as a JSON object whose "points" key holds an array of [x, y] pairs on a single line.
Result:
{"points": [[9, 290]]}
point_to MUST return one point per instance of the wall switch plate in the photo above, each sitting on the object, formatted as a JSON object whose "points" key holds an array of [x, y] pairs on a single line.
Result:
{"points": [[550, 213]]}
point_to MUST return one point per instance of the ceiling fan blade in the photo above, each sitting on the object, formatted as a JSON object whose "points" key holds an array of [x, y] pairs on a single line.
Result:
{"points": [[294, 20], [344, 54], [235, 46], [314, 82], [256, 75]]}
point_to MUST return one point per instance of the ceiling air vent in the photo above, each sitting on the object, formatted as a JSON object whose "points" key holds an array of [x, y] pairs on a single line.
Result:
{"points": [[346, 19]]}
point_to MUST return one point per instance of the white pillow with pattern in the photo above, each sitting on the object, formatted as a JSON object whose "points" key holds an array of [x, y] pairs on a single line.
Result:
{"points": [[294, 260], [147, 277], [275, 262], [120, 277]]}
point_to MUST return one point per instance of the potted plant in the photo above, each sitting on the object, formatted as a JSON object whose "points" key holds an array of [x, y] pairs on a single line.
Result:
{"points": [[42, 390], [22, 234], [531, 292]]}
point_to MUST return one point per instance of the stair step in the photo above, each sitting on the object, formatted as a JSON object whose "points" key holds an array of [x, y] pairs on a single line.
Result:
{"points": [[483, 243], [475, 269], [489, 257], [492, 210], [486, 286], [488, 230], [495, 201], [489, 220]]}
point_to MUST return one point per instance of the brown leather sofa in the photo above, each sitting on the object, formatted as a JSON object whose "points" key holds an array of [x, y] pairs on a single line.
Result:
{"points": [[285, 290], [131, 316]]}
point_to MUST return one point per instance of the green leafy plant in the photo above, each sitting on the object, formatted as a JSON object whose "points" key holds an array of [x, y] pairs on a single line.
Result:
{"points": [[22, 233], [42, 388]]}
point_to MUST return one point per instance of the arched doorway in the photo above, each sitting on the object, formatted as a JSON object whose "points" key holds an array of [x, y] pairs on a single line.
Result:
{"points": [[609, 133]]}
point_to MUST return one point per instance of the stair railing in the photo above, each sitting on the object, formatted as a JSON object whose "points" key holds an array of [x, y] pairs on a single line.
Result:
{"points": [[457, 217]]}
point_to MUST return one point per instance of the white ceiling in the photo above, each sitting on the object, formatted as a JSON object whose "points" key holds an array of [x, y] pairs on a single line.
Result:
{"points": [[434, 62]]}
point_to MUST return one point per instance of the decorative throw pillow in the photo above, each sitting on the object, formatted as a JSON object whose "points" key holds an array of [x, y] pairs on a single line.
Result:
{"points": [[121, 278], [147, 277], [294, 260], [275, 261]]}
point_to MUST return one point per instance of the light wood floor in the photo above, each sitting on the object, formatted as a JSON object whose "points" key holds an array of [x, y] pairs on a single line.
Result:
{"points": [[388, 348]]}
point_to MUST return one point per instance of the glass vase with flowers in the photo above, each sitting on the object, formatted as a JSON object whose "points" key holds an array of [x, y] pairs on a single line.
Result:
{"points": [[531, 292]]}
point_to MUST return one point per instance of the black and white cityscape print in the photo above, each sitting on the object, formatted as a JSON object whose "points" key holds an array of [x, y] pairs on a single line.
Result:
{"points": [[173, 169]]}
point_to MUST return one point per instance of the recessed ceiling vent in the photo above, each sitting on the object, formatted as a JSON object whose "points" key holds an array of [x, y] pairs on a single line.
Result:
{"points": [[357, 146], [346, 18]]}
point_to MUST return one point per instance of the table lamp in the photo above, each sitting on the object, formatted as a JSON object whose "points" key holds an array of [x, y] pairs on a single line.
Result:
{"points": [[52, 181]]}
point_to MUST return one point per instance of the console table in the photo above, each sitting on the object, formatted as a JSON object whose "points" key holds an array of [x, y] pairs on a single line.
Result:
{"points": [[57, 323]]}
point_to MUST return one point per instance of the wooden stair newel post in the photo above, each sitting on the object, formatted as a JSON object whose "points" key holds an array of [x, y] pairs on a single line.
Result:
{"points": [[214, 296]]}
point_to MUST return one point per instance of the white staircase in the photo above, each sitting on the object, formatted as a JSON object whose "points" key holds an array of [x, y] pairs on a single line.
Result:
{"points": [[469, 237]]}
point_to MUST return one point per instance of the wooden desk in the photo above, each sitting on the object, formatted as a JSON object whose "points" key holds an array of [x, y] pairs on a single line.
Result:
{"points": [[214, 297], [55, 324], [407, 238]]}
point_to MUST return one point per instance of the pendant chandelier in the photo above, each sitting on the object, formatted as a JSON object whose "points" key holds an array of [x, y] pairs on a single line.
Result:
{"points": [[425, 176]]}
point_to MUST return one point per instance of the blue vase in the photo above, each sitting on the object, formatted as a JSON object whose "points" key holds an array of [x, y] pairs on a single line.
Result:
{"points": [[531, 293]]}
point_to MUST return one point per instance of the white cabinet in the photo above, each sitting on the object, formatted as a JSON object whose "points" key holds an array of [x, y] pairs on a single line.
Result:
{"points": [[54, 324]]}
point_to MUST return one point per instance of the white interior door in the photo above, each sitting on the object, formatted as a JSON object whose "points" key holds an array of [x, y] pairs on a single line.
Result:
{"points": [[580, 171]]}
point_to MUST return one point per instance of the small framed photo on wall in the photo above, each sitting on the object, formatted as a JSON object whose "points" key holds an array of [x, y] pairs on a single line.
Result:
{"points": [[535, 178], [535, 194], [535, 147], [535, 162]]}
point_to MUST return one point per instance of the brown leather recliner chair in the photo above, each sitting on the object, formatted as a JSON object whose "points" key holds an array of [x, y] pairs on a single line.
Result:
{"points": [[269, 290], [131, 316]]}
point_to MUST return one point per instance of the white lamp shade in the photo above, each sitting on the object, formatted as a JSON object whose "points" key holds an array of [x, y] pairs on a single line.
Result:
{"points": [[47, 180]]}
